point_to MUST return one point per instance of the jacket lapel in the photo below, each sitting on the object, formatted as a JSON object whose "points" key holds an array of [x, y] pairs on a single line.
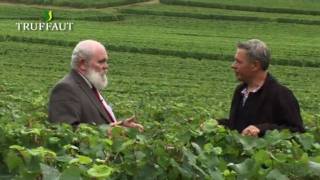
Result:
{"points": [[89, 92], [264, 91], [235, 105]]}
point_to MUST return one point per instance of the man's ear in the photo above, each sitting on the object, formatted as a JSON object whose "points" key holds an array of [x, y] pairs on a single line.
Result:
{"points": [[256, 65], [82, 65]]}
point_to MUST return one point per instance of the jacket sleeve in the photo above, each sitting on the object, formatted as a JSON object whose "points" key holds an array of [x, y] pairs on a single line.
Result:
{"points": [[224, 122], [64, 105], [228, 122], [288, 112]]}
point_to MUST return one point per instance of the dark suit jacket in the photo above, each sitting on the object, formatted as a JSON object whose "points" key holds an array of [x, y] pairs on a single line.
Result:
{"points": [[273, 106], [73, 101]]}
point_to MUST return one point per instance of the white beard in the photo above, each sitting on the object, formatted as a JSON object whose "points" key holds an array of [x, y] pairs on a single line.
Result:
{"points": [[98, 80]]}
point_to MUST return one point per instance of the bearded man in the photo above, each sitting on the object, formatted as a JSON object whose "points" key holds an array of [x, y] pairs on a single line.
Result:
{"points": [[76, 98]]}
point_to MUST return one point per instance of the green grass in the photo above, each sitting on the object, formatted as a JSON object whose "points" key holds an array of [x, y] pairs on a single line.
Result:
{"points": [[23, 12], [168, 78], [293, 7], [213, 13], [290, 44], [290, 4], [170, 96], [78, 3]]}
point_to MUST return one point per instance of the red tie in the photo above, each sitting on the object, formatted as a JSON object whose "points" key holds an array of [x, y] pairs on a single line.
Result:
{"points": [[100, 101]]}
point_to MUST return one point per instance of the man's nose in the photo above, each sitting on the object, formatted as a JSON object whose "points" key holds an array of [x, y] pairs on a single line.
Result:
{"points": [[106, 66], [233, 65]]}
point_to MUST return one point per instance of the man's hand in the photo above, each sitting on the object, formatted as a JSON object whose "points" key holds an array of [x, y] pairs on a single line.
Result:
{"points": [[128, 123], [251, 131], [114, 124], [132, 123]]}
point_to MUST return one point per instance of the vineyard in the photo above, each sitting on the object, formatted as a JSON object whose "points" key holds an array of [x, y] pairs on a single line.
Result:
{"points": [[170, 67]]}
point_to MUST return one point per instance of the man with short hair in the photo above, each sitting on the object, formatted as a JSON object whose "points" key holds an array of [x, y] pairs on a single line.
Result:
{"points": [[76, 98], [260, 103]]}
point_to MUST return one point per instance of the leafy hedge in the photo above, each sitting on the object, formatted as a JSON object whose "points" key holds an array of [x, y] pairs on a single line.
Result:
{"points": [[238, 7], [194, 15], [154, 51], [221, 17], [34, 149], [78, 3], [21, 12], [105, 18]]}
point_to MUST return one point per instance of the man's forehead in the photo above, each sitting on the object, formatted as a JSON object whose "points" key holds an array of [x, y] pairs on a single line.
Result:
{"points": [[101, 51], [241, 50]]}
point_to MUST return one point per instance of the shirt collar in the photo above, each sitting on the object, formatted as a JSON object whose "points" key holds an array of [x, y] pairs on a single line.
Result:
{"points": [[246, 91]]}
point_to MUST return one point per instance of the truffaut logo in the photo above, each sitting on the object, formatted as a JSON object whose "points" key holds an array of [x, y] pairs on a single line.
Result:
{"points": [[47, 25], [47, 16]]}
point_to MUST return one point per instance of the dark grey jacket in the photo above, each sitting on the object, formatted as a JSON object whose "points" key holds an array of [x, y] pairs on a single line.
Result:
{"points": [[73, 101]]}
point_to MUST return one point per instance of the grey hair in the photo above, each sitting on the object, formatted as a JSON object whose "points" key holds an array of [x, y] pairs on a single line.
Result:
{"points": [[257, 50], [84, 50]]}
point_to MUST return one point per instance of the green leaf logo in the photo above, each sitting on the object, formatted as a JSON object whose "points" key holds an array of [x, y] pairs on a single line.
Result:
{"points": [[48, 16]]}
